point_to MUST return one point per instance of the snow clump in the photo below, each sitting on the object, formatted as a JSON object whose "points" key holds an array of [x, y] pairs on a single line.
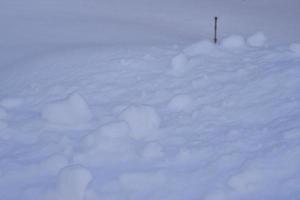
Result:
{"points": [[233, 42], [180, 103], [72, 183], [142, 120], [71, 111], [257, 40], [110, 143], [179, 65]]}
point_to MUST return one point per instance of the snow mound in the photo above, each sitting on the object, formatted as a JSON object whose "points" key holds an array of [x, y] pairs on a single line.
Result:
{"points": [[179, 65], [72, 111], [72, 182], [257, 40], [180, 103], [295, 48], [202, 47], [142, 120], [109, 143], [233, 42]]}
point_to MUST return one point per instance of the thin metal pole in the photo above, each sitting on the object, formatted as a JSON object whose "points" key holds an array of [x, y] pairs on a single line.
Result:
{"points": [[216, 29]]}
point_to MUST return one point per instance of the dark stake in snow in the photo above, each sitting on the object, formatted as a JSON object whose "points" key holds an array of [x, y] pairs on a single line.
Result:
{"points": [[216, 28]]}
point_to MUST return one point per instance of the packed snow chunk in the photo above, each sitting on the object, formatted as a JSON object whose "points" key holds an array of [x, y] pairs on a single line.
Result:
{"points": [[153, 151], [257, 40], [179, 65], [143, 121], [202, 47], [10, 103], [73, 182], [3, 113], [180, 103], [233, 42], [295, 48], [72, 111]]}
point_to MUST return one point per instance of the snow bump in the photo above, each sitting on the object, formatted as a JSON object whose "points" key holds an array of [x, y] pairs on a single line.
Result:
{"points": [[143, 121], [257, 40], [233, 42], [199, 48], [180, 103], [71, 111], [179, 65], [72, 182]]}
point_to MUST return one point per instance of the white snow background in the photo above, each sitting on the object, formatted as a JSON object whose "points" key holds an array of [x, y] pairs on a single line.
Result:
{"points": [[130, 100]]}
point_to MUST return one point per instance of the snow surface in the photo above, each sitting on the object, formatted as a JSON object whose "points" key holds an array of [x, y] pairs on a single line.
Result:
{"points": [[98, 102]]}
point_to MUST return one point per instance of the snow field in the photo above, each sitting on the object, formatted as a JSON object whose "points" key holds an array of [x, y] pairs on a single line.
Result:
{"points": [[197, 122]]}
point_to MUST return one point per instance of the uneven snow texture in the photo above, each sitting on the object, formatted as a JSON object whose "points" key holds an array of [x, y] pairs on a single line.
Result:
{"points": [[211, 122], [71, 111]]}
